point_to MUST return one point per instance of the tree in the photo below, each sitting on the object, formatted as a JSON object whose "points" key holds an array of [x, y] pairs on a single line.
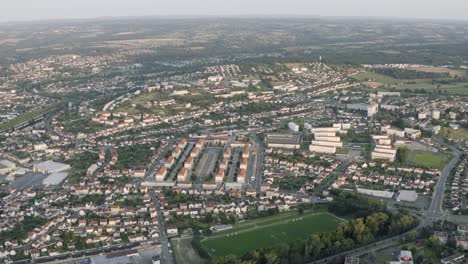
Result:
{"points": [[402, 155], [230, 259], [376, 222], [313, 246], [300, 209]]}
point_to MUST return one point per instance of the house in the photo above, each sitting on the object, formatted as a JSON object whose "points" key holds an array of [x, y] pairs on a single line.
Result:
{"points": [[172, 230], [182, 176], [241, 176], [169, 162], [161, 174], [188, 163], [462, 229], [462, 241], [219, 175], [182, 143], [442, 237], [405, 257], [139, 173], [244, 163], [246, 152], [176, 152]]}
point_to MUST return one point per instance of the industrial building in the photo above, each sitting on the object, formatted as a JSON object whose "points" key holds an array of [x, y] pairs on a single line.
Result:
{"points": [[286, 141], [6, 167], [376, 193], [293, 127], [54, 179], [50, 166]]}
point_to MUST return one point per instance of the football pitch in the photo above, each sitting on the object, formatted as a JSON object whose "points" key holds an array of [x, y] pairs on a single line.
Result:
{"points": [[269, 233]]}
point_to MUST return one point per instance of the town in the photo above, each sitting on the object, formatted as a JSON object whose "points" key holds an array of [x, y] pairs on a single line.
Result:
{"points": [[300, 161]]}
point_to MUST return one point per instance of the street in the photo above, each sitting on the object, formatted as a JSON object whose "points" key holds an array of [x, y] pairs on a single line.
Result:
{"points": [[166, 256]]}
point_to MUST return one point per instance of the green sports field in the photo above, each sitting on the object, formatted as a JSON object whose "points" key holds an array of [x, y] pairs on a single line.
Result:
{"points": [[428, 159], [269, 233]]}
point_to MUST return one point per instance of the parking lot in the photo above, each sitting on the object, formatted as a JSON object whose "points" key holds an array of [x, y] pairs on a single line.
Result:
{"points": [[207, 162], [234, 165], [28, 181]]}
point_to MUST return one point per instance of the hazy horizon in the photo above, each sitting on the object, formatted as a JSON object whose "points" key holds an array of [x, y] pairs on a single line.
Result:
{"points": [[15, 11]]}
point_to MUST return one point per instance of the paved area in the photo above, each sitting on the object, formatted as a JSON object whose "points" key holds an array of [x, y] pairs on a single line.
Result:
{"points": [[207, 162], [28, 181], [233, 168], [166, 256]]}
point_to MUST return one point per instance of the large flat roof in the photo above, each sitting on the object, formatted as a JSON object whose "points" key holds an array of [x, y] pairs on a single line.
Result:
{"points": [[283, 139], [55, 178], [51, 166]]}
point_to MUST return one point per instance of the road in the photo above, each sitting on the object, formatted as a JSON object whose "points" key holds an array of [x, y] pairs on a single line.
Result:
{"points": [[251, 170], [435, 211], [259, 163], [166, 256]]}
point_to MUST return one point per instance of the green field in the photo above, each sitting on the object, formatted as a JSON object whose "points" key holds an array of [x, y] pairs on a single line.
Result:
{"points": [[412, 84], [29, 115], [366, 76], [428, 159], [268, 233], [461, 133]]}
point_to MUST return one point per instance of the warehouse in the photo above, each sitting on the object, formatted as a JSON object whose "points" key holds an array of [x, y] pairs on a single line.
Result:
{"points": [[54, 179], [286, 141], [6, 166], [49, 166]]}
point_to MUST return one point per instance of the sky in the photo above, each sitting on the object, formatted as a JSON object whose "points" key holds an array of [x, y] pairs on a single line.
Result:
{"points": [[26, 10]]}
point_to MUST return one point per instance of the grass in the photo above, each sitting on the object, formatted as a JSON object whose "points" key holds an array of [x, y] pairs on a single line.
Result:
{"points": [[428, 159], [269, 233], [387, 82], [427, 253], [380, 78], [461, 133], [28, 116], [271, 219]]}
